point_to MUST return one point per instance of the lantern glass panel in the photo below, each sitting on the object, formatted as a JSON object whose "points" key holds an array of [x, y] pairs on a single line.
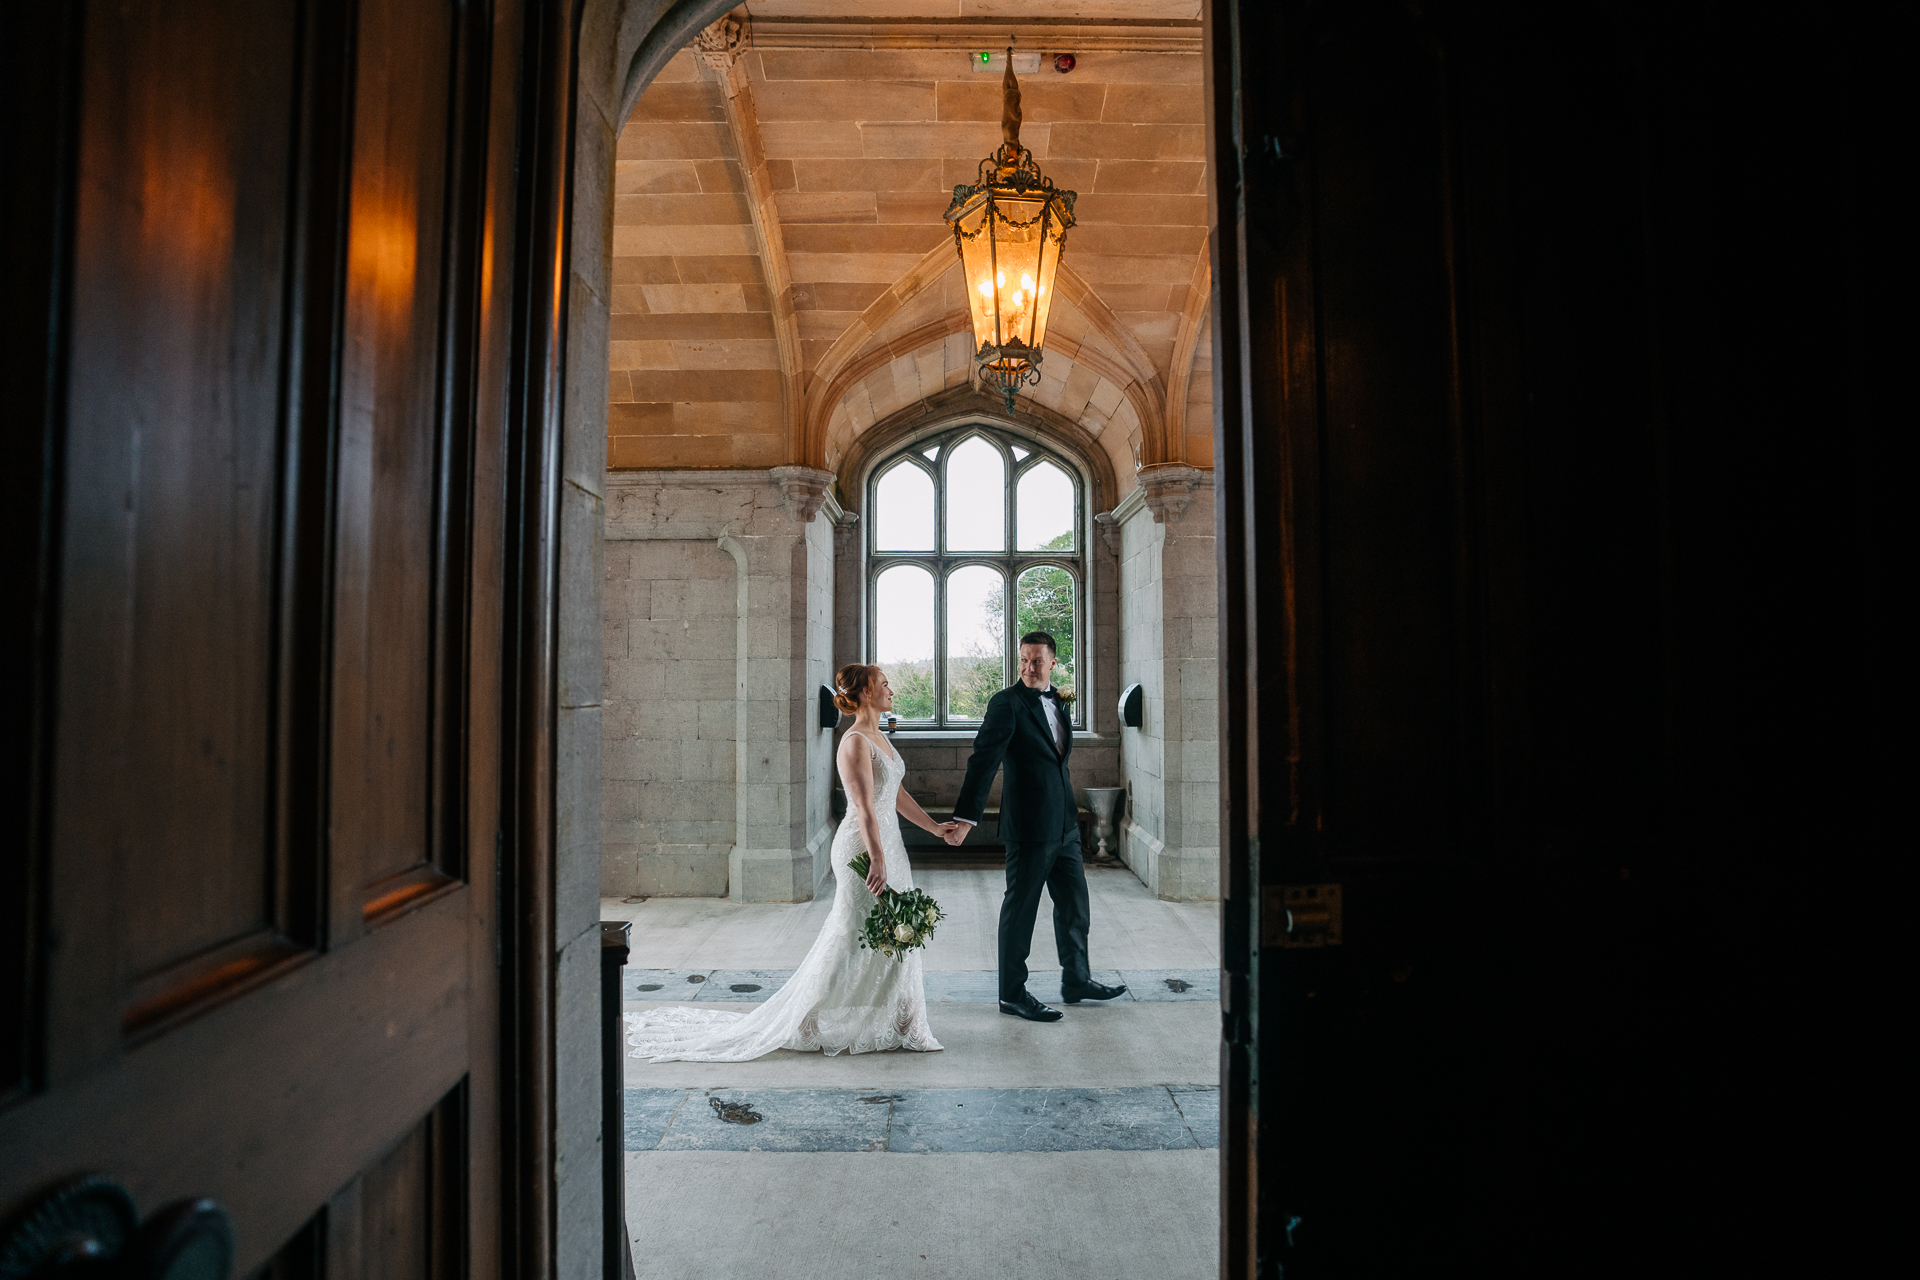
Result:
{"points": [[1049, 263], [976, 262], [1017, 280]]}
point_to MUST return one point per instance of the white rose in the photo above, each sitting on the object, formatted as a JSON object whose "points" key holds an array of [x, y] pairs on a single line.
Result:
{"points": [[932, 915], [902, 933]]}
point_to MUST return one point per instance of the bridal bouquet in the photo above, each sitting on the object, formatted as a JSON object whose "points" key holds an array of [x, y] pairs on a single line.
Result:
{"points": [[899, 922]]}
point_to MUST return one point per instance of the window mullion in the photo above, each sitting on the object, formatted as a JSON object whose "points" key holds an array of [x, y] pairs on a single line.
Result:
{"points": [[940, 586]]}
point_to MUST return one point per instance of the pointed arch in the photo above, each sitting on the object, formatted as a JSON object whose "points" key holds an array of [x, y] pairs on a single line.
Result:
{"points": [[853, 355]]}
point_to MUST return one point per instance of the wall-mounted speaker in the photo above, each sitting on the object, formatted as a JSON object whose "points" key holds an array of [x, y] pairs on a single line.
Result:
{"points": [[1132, 705], [829, 714]]}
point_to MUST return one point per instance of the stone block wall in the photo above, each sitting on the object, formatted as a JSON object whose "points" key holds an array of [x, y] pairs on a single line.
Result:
{"points": [[668, 750], [718, 627], [936, 767]]}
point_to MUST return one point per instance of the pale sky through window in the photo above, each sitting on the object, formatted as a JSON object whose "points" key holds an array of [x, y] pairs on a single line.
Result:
{"points": [[1044, 508], [904, 519], [903, 616], [970, 627], [976, 498]]}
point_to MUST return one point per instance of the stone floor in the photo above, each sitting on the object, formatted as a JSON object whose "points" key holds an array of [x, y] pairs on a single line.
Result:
{"points": [[1082, 1148]]}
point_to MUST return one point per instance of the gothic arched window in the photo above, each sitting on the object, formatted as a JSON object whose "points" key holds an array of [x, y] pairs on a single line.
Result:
{"points": [[960, 523]]}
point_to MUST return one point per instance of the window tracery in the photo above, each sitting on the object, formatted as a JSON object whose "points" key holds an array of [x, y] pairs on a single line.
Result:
{"points": [[976, 537]]}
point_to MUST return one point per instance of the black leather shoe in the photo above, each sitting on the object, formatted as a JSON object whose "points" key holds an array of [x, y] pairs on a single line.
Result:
{"points": [[1092, 991], [1030, 1009]]}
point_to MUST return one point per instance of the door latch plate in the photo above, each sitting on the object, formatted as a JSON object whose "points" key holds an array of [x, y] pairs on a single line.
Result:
{"points": [[1300, 915]]}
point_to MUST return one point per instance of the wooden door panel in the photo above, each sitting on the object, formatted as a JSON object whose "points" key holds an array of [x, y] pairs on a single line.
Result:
{"points": [[264, 971], [1387, 488], [389, 425], [171, 458], [271, 1104], [403, 1219]]}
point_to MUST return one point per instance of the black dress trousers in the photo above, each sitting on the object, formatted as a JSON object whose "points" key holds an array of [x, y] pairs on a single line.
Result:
{"points": [[1057, 867]]}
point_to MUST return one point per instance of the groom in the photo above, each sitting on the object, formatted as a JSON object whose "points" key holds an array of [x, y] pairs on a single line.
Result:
{"points": [[1028, 727]]}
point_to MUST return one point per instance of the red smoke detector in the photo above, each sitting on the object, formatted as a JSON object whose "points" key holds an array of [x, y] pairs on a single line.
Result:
{"points": [[1063, 63]]}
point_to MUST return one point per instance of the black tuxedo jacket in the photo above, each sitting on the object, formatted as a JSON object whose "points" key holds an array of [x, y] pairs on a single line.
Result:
{"points": [[1036, 802]]}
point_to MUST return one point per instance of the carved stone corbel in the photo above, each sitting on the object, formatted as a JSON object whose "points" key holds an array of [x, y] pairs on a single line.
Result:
{"points": [[1169, 490], [722, 44], [846, 527], [1109, 527], [802, 489]]}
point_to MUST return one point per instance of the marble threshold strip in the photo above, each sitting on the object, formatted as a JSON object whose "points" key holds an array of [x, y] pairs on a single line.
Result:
{"points": [[750, 986], [924, 1121]]}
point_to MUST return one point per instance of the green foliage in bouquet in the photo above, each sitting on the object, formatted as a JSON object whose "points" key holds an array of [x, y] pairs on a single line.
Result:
{"points": [[899, 922]]}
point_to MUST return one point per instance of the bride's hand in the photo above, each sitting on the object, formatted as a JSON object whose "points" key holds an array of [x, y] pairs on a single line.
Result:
{"points": [[876, 875]]}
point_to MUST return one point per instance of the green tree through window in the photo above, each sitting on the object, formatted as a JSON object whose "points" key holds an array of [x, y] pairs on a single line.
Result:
{"points": [[1044, 600]]}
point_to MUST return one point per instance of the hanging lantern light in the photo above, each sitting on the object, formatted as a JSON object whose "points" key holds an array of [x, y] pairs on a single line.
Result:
{"points": [[1009, 229]]}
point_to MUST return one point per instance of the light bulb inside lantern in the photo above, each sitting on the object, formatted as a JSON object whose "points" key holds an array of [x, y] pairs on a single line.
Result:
{"points": [[986, 288], [1000, 280], [1026, 282]]}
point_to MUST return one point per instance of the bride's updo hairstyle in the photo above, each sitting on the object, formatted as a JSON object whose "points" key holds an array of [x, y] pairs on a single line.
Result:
{"points": [[850, 685]]}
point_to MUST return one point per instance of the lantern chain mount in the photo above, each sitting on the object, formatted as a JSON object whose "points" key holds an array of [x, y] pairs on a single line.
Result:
{"points": [[1011, 253]]}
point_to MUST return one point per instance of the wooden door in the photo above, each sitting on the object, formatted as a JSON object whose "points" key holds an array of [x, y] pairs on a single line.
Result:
{"points": [[1509, 410], [252, 942]]}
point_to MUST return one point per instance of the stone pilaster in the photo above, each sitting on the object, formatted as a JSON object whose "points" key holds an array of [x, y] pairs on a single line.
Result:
{"points": [[1169, 638]]}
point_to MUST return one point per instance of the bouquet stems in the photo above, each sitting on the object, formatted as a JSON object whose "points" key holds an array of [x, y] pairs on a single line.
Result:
{"points": [[898, 922]]}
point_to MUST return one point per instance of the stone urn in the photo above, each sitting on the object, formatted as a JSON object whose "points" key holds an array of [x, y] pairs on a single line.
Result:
{"points": [[1105, 803]]}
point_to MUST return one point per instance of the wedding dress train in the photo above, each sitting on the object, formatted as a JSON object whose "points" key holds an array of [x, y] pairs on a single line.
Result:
{"points": [[842, 998]]}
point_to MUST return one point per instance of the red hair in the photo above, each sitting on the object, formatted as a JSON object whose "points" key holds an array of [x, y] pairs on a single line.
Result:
{"points": [[852, 681]]}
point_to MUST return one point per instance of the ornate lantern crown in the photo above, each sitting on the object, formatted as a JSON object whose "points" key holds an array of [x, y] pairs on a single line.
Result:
{"points": [[1009, 229]]}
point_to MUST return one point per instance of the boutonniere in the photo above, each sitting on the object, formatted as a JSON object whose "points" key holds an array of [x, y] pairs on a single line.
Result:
{"points": [[1065, 696]]}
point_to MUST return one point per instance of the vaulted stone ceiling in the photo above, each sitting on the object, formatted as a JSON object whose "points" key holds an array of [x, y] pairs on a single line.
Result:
{"points": [[784, 280]]}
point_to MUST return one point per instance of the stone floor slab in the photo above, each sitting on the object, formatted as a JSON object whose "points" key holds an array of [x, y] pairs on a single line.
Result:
{"points": [[648, 1113], [1200, 1106], [923, 1121], [1017, 1120], [662, 984], [742, 985], [1173, 984], [1092, 1045], [751, 986], [1132, 929], [788, 1120], [972, 987], [1077, 1215]]}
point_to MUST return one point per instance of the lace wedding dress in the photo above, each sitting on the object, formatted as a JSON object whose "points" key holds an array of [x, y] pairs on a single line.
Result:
{"points": [[842, 998]]}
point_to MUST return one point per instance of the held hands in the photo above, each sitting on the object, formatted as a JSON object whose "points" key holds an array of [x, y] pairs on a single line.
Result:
{"points": [[955, 832]]}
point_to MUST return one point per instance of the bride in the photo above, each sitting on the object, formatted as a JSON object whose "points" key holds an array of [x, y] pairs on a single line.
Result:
{"points": [[842, 999]]}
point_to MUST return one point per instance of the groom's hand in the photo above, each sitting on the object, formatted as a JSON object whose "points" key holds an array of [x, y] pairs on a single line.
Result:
{"points": [[957, 832]]}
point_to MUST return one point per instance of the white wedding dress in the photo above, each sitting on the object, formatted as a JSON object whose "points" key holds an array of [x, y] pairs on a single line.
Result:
{"points": [[843, 998]]}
